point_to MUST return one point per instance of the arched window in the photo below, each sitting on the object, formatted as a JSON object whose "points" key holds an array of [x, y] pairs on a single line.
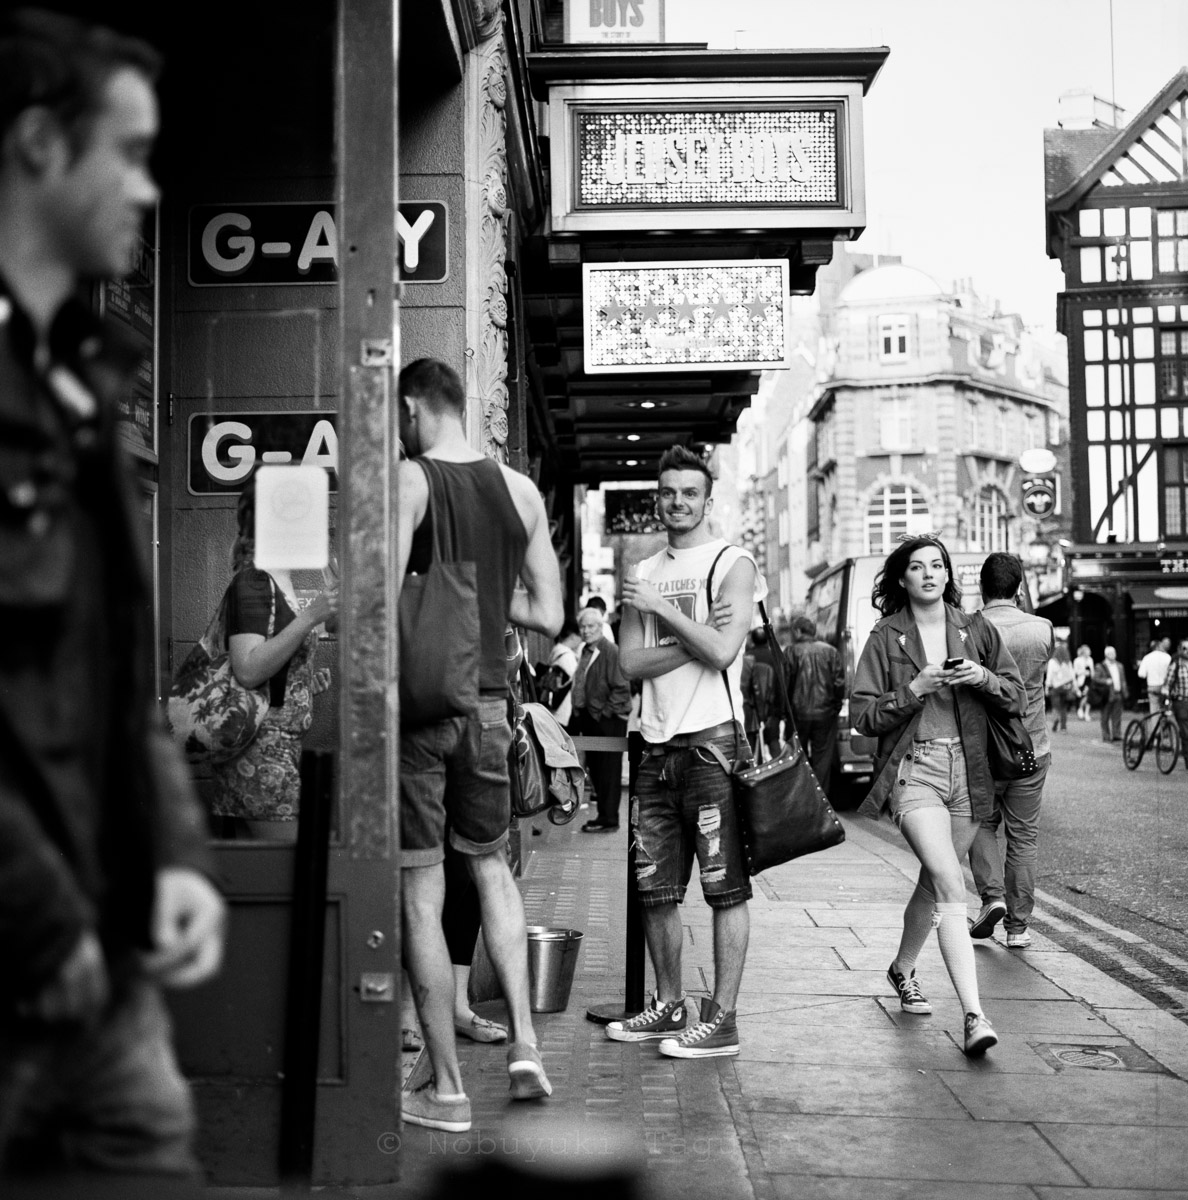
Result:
{"points": [[897, 509], [991, 522]]}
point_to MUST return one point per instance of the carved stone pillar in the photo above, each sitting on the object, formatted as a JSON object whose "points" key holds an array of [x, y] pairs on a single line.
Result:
{"points": [[486, 232]]}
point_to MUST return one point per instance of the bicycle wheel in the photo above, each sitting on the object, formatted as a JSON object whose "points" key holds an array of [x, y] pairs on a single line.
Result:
{"points": [[1167, 746], [1133, 744]]}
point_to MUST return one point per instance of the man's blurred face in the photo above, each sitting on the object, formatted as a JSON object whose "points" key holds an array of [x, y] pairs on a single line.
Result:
{"points": [[97, 196], [590, 627]]}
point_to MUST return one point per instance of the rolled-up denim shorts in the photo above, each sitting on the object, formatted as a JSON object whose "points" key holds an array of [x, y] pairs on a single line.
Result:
{"points": [[457, 767], [684, 805], [932, 775]]}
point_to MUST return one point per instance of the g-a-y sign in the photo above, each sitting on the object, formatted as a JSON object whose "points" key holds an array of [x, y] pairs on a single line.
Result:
{"points": [[252, 245], [225, 448]]}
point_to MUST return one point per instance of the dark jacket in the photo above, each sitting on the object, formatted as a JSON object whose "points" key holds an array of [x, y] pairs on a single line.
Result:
{"points": [[882, 704], [608, 693], [87, 815], [1101, 677], [816, 679]]}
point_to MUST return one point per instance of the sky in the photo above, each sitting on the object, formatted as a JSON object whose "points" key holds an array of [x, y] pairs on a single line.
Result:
{"points": [[954, 122]]}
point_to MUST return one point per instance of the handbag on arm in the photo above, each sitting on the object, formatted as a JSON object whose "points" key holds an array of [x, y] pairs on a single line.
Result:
{"points": [[783, 813], [1009, 750], [440, 641], [209, 712]]}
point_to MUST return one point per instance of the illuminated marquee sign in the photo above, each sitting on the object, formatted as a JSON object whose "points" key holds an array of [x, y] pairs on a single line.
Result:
{"points": [[708, 157], [664, 316], [722, 156]]}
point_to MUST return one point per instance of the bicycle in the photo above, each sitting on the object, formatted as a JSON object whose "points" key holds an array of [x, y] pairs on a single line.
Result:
{"points": [[1164, 735]]}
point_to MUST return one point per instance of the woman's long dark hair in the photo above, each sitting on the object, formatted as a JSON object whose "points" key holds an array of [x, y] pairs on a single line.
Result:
{"points": [[243, 551], [890, 596]]}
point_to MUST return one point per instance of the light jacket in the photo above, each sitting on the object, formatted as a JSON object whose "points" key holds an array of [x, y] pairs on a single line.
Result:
{"points": [[883, 704]]}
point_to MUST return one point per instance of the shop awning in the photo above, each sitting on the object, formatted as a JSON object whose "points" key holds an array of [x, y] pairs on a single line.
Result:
{"points": [[1160, 600]]}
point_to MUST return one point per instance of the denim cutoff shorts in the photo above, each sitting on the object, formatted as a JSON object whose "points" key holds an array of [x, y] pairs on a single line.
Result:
{"points": [[457, 767], [684, 805], [932, 775]]}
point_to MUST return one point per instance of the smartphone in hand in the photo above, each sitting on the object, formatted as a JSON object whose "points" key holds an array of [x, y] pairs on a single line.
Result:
{"points": [[951, 664]]}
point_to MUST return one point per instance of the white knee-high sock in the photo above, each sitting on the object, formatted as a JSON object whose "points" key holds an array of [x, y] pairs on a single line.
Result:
{"points": [[917, 924], [957, 950]]}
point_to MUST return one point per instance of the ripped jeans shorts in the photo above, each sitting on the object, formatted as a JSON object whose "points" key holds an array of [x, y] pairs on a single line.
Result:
{"points": [[684, 805]]}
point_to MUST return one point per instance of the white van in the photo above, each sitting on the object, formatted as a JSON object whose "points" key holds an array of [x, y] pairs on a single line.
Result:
{"points": [[839, 601]]}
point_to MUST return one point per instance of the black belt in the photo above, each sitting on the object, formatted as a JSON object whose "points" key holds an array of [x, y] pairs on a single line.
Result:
{"points": [[682, 741]]}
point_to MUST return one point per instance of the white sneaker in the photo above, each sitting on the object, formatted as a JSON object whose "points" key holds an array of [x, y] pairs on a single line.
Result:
{"points": [[1019, 940]]}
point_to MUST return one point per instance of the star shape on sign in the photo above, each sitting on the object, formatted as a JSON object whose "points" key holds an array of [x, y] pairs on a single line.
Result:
{"points": [[614, 311], [722, 308], [757, 307], [685, 311], [651, 311]]}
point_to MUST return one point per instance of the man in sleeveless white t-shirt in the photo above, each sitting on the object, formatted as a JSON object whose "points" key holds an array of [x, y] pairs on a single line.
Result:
{"points": [[680, 642]]}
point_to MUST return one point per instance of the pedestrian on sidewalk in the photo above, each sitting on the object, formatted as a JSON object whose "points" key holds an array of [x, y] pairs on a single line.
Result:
{"points": [[1111, 680], [1060, 682], [921, 694], [1175, 688], [1083, 667], [459, 767], [1153, 669], [601, 698], [105, 895], [691, 666], [1009, 895], [816, 688]]}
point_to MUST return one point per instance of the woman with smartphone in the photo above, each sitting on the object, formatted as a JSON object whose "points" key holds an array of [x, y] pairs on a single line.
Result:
{"points": [[925, 676]]}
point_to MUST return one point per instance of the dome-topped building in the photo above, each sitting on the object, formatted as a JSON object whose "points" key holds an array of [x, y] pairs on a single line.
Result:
{"points": [[891, 282], [926, 399]]}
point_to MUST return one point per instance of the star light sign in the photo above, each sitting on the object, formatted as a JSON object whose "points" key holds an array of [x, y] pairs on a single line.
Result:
{"points": [[665, 316]]}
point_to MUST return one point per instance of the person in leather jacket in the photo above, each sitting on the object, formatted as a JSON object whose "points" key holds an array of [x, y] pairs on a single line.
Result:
{"points": [[816, 688], [103, 893]]}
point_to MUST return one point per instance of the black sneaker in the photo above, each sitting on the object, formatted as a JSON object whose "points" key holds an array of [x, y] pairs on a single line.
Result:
{"points": [[911, 998], [982, 926], [655, 1022], [714, 1036]]}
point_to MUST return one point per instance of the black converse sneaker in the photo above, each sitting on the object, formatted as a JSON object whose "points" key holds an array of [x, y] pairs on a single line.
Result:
{"points": [[911, 997], [714, 1036], [655, 1022]]}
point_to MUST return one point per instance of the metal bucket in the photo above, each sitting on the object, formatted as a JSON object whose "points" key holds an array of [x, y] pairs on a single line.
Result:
{"points": [[552, 960]]}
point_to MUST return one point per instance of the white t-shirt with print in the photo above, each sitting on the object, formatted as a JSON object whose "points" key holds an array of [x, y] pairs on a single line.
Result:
{"points": [[693, 696]]}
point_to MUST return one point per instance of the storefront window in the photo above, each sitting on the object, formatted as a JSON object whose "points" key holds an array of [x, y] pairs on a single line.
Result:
{"points": [[897, 509]]}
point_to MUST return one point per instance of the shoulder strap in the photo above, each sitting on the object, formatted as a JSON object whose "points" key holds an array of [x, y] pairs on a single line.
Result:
{"points": [[440, 515]]}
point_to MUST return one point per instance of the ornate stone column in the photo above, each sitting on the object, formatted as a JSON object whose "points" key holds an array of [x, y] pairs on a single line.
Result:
{"points": [[486, 232]]}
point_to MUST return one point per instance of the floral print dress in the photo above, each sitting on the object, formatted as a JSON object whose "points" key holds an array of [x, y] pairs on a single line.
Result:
{"points": [[264, 782]]}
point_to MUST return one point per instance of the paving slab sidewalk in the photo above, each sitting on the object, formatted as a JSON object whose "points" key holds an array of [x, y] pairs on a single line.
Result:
{"points": [[836, 1093]]}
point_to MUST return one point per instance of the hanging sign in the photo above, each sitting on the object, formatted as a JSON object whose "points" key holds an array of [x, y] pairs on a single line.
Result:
{"points": [[253, 245], [691, 316], [726, 156], [614, 21]]}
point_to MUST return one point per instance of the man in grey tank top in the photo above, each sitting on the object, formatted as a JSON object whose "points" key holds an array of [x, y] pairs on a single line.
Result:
{"points": [[458, 768]]}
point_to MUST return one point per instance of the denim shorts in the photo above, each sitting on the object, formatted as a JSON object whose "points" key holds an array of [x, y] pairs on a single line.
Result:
{"points": [[456, 768], [932, 775], [684, 805]]}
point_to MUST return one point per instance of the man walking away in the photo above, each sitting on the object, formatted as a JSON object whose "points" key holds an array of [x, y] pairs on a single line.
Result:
{"points": [[1176, 689], [1030, 641], [684, 803], [816, 686], [459, 767], [103, 895], [1111, 679], [1154, 669]]}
